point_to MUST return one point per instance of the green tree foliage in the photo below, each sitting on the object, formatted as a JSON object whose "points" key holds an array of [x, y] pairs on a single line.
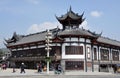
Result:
{"points": [[47, 59]]}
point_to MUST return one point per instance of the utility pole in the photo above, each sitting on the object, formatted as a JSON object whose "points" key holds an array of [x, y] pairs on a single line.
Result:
{"points": [[48, 41]]}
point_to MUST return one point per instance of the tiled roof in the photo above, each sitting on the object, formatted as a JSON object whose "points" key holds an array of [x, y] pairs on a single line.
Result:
{"points": [[32, 38], [108, 41], [41, 36], [78, 32], [71, 17]]}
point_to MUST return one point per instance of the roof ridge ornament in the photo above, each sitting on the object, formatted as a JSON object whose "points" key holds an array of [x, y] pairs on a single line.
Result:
{"points": [[82, 14], [70, 8]]}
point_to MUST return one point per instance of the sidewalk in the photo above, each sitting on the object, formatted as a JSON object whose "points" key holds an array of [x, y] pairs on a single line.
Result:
{"points": [[8, 72], [87, 73]]}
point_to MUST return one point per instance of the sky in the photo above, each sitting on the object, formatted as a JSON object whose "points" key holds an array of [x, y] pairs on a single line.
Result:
{"points": [[31, 16]]}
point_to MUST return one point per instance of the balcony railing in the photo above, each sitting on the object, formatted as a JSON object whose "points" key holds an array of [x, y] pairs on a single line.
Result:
{"points": [[58, 57]]}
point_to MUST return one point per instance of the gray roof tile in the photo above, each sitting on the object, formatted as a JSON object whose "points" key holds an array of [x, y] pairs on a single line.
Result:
{"points": [[41, 36], [108, 41], [78, 32], [30, 38]]}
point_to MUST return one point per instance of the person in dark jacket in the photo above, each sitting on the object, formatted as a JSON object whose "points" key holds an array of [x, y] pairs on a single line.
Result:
{"points": [[39, 67], [13, 66], [59, 68], [22, 68]]}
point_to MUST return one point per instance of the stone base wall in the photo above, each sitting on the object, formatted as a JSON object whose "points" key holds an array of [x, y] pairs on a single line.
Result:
{"points": [[63, 64], [96, 68], [89, 67]]}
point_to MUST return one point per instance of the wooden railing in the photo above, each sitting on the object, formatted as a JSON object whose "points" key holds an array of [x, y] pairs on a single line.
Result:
{"points": [[34, 58]]}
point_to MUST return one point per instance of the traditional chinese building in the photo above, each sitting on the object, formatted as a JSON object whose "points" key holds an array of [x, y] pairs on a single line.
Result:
{"points": [[73, 47]]}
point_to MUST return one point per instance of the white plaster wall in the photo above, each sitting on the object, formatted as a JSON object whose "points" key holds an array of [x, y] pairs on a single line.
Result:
{"points": [[74, 39], [99, 53], [40, 46], [33, 47], [19, 49], [56, 44], [88, 45], [26, 48], [82, 39], [13, 49], [67, 39], [88, 40]]}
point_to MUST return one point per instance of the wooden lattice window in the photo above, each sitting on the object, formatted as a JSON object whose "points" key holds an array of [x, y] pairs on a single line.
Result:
{"points": [[95, 54], [74, 65], [74, 50]]}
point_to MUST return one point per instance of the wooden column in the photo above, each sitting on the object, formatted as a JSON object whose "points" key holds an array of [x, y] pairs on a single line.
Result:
{"points": [[110, 56], [92, 50], [99, 58], [85, 57]]}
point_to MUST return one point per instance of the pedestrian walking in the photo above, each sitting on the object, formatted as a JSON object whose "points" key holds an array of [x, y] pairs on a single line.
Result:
{"points": [[59, 69], [22, 68], [13, 66], [39, 67]]}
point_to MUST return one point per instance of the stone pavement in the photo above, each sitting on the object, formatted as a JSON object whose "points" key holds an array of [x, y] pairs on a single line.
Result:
{"points": [[8, 72]]}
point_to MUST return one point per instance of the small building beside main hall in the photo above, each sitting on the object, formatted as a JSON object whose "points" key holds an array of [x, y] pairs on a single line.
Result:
{"points": [[73, 47]]}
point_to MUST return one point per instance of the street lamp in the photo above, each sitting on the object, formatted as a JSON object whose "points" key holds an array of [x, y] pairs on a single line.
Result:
{"points": [[48, 41]]}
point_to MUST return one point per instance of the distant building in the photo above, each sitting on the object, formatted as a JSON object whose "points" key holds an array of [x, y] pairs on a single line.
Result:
{"points": [[4, 56], [73, 47], [6, 53]]}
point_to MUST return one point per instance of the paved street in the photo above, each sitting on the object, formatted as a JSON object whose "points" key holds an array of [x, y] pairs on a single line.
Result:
{"points": [[76, 74], [60, 76]]}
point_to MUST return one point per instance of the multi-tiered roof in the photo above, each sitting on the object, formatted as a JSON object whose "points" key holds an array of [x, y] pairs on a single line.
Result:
{"points": [[71, 19]]}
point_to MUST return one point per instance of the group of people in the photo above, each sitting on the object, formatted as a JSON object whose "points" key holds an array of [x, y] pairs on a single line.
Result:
{"points": [[40, 68], [22, 68], [57, 68]]}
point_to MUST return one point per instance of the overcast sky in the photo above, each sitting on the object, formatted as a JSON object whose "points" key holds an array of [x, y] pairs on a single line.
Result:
{"points": [[30, 16]]}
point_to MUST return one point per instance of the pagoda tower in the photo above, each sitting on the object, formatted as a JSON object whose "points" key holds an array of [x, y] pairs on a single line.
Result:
{"points": [[71, 20]]}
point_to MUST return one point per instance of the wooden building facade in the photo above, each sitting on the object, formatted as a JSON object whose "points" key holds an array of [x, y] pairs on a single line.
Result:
{"points": [[73, 47]]}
